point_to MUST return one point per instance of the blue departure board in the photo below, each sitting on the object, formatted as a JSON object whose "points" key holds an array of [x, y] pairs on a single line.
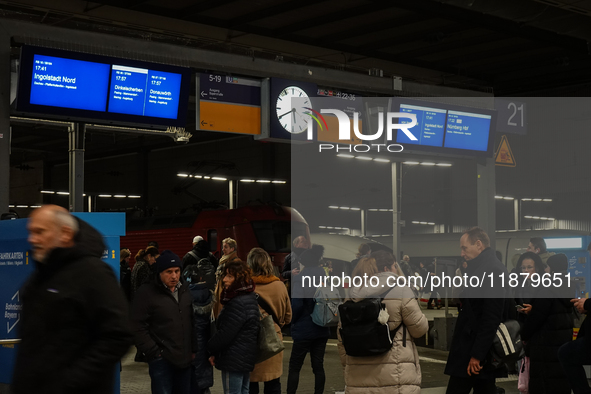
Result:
{"points": [[446, 128], [69, 83], [465, 130], [73, 85], [430, 125], [139, 91]]}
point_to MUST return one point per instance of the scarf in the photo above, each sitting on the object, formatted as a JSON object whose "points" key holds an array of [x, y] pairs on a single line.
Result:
{"points": [[228, 257], [236, 289], [263, 280]]}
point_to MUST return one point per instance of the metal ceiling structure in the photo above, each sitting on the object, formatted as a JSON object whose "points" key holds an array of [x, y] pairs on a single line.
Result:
{"points": [[500, 47], [510, 46]]}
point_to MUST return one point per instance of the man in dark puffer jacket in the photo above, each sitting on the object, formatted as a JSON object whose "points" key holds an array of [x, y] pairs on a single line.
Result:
{"points": [[74, 322], [162, 314]]}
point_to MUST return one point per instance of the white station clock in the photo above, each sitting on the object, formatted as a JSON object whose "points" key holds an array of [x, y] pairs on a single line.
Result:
{"points": [[293, 118]]}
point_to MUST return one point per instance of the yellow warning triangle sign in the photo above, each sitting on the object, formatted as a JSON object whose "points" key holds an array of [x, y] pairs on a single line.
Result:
{"points": [[504, 157]]}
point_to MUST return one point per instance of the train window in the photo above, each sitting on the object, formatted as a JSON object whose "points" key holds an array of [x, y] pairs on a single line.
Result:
{"points": [[212, 238], [275, 236]]}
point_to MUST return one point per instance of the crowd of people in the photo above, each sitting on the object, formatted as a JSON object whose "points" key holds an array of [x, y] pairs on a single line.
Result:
{"points": [[191, 315]]}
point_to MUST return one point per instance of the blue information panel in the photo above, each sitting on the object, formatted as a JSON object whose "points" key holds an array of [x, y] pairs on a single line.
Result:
{"points": [[467, 131], [430, 125], [446, 128], [69, 83], [139, 91]]}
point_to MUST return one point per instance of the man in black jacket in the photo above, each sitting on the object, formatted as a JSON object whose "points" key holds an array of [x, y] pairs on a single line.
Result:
{"points": [[291, 265], [74, 322], [162, 315], [482, 310]]}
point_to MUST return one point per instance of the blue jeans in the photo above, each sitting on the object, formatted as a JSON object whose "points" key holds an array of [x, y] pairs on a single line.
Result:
{"points": [[316, 348], [169, 379], [572, 356], [235, 382]]}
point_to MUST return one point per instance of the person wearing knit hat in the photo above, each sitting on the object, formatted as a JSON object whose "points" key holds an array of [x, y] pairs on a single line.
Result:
{"points": [[557, 263], [162, 321], [197, 239], [167, 260]]}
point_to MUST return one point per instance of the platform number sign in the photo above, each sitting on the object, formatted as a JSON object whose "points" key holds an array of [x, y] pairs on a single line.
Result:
{"points": [[512, 116]]}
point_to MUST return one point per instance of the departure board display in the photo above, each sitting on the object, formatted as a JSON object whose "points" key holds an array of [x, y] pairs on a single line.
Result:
{"points": [[73, 85], [443, 128], [430, 125]]}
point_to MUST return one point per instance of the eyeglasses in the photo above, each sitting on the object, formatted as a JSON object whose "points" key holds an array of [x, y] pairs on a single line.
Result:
{"points": [[527, 267]]}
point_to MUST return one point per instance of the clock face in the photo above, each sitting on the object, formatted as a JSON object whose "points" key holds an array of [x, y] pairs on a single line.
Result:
{"points": [[293, 118]]}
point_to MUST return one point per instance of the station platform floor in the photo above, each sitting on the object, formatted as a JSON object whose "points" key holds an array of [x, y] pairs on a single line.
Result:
{"points": [[135, 378]]}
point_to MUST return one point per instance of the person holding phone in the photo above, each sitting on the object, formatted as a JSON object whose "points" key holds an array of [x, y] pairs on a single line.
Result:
{"points": [[529, 263]]}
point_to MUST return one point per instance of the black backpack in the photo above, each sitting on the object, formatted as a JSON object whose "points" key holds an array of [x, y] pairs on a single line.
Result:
{"points": [[361, 332], [203, 269], [507, 346]]}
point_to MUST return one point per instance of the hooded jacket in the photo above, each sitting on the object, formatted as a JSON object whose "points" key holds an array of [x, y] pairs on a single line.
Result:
{"points": [[74, 323], [162, 325], [397, 371]]}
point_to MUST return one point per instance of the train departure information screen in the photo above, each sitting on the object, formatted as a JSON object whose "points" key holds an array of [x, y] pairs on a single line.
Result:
{"points": [[79, 85], [139, 91], [447, 128], [430, 125]]}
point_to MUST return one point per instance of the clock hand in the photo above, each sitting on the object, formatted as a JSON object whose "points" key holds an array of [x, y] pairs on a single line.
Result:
{"points": [[288, 112]]}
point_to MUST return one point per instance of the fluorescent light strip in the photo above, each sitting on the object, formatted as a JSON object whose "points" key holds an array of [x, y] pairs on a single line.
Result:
{"points": [[47, 192], [364, 158], [216, 178], [247, 180], [104, 195], [382, 160], [119, 196], [427, 163], [263, 181], [346, 156], [63, 193], [411, 163]]}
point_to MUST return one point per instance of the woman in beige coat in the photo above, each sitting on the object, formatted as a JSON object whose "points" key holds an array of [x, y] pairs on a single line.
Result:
{"points": [[399, 371], [273, 291]]}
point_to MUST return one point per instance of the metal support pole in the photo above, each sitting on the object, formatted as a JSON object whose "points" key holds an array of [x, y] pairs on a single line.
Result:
{"points": [[516, 213], [76, 179], [4, 120], [395, 208], [231, 186], [363, 223], [485, 199]]}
